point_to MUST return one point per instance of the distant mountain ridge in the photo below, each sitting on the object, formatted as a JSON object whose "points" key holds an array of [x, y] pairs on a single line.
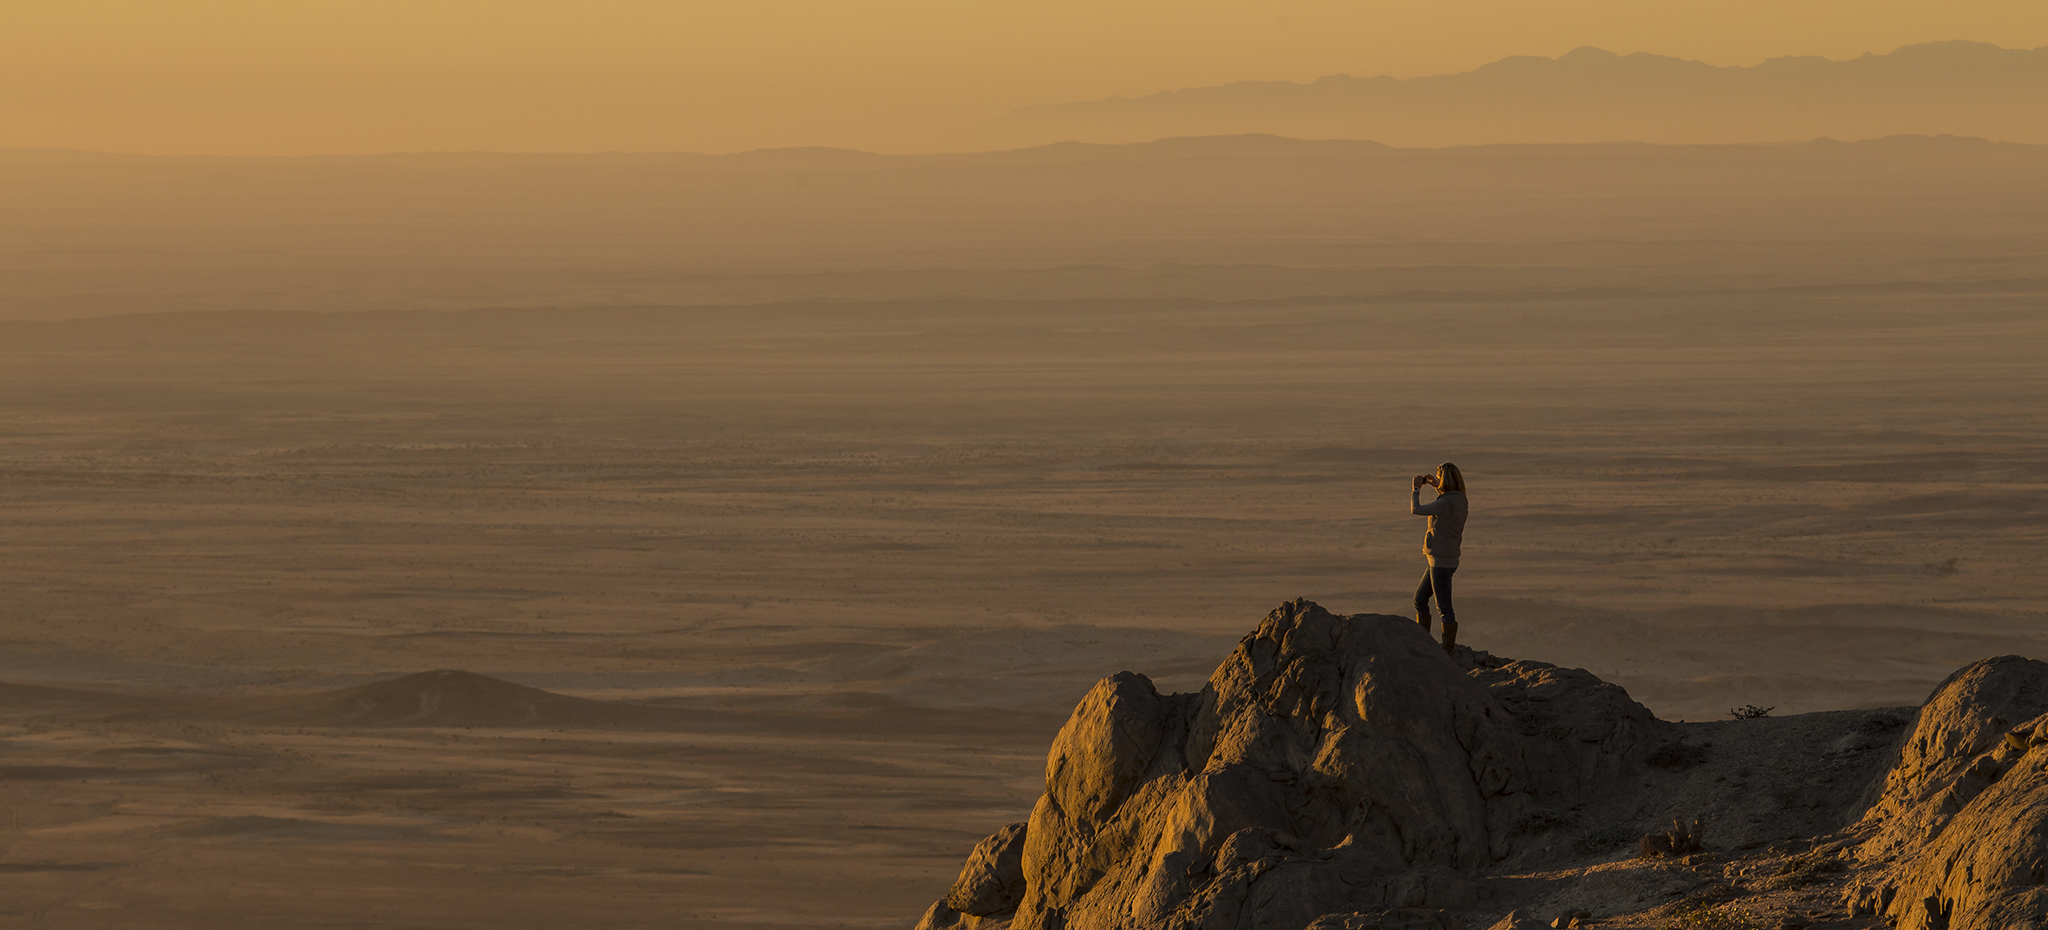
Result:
{"points": [[1591, 95]]}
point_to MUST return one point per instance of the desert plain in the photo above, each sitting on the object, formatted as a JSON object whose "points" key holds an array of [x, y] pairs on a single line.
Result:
{"points": [[815, 559]]}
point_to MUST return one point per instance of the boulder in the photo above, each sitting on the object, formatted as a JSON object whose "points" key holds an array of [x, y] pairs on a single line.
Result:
{"points": [[1967, 716], [992, 881], [1334, 768], [1959, 837]]}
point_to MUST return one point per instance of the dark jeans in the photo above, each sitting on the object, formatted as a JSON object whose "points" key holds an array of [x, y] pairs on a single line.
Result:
{"points": [[1436, 581]]}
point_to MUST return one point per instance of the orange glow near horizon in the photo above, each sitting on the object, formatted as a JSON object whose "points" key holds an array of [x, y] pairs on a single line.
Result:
{"points": [[322, 76]]}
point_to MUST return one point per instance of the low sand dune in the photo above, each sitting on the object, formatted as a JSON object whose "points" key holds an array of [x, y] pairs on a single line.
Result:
{"points": [[440, 698], [355, 808]]}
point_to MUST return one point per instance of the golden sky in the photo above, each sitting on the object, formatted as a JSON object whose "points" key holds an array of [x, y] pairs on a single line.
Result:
{"points": [[349, 76]]}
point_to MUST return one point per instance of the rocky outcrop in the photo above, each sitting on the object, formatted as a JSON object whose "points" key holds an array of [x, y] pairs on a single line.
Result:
{"points": [[992, 881], [989, 887], [1342, 772], [1959, 838], [1337, 770]]}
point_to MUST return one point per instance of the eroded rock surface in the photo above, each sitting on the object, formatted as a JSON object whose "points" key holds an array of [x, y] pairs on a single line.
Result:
{"points": [[992, 881], [1342, 772], [1959, 838], [1334, 767]]}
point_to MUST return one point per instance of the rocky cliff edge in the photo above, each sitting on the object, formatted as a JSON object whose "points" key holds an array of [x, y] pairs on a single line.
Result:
{"points": [[1343, 773]]}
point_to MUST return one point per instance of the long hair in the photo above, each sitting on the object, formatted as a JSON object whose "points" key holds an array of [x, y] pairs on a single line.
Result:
{"points": [[1449, 479]]}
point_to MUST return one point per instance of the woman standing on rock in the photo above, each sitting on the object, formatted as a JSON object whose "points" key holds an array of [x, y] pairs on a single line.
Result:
{"points": [[1440, 544]]}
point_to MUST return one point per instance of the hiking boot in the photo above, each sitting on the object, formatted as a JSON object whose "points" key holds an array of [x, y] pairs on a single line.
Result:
{"points": [[1451, 638], [1423, 619]]}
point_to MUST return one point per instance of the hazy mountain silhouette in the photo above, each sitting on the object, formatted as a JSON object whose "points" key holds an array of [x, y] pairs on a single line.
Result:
{"points": [[1590, 95]]}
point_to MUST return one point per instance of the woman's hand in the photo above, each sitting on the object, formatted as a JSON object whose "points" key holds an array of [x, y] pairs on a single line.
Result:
{"points": [[1421, 480]]}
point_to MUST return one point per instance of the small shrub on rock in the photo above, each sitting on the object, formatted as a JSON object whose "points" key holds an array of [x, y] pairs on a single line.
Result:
{"points": [[1681, 840], [1751, 712]]}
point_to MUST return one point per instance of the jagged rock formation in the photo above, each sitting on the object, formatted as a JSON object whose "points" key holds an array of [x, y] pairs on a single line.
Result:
{"points": [[1336, 771], [1341, 773], [992, 881], [1959, 838]]}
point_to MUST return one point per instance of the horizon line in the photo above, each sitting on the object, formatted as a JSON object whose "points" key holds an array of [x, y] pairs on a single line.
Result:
{"points": [[771, 150]]}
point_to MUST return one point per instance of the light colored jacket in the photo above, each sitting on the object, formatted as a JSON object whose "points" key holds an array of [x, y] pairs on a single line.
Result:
{"points": [[1446, 533]]}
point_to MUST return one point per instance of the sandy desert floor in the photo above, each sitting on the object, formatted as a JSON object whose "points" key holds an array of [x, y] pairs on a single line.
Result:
{"points": [[858, 561]]}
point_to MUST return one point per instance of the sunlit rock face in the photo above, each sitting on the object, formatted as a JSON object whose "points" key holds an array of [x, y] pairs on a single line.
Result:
{"points": [[1333, 765], [1959, 838]]}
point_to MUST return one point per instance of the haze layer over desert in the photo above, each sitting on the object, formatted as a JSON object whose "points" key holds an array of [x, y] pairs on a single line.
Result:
{"points": [[813, 488]]}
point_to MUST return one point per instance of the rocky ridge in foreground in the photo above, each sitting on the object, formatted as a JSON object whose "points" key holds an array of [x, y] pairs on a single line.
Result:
{"points": [[1342, 772]]}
